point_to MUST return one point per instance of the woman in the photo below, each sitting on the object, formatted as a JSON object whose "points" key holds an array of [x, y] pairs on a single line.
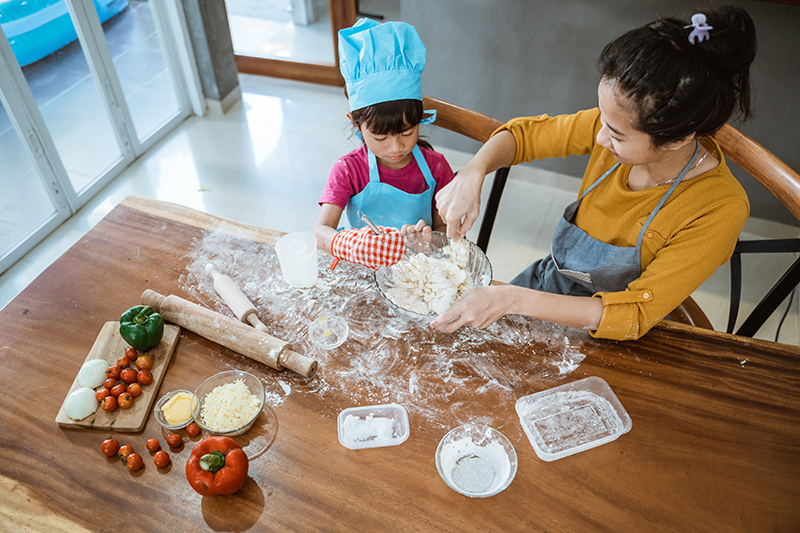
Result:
{"points": [[658, 210]]}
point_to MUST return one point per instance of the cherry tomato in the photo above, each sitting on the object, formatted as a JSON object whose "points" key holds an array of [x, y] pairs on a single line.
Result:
{"points": [[123, 362], [134, 389], [161, 459], [101, 393], [193, 429], [125, 450], [109, 404], [174, 440], [145, 377], [113, 372], [153, 444], [118, 389], [110, 446], [125, 400], [144, 362], [134, 461], [131, 353], [109, 383], [128, 375]]}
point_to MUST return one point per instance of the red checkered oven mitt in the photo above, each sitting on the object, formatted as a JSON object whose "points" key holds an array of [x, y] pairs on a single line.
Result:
{"points": [[362, 246]]}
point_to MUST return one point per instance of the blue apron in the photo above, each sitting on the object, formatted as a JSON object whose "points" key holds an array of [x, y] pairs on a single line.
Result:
{"points": [[389, 206], [580, 265]]}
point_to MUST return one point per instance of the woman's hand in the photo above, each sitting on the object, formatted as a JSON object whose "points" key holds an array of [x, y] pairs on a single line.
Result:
{"points": [[481, 307], [459, 202]]}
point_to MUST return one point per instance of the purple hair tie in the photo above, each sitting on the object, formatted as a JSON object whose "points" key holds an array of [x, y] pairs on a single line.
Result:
{"points": [[700, 31]]}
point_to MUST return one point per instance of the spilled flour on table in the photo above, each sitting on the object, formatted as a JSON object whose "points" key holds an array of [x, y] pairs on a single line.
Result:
{"points": [[386, 358]]}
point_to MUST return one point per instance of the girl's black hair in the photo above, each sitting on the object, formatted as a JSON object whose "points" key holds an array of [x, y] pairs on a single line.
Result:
{"points": [[392, 117], [678, 88]]}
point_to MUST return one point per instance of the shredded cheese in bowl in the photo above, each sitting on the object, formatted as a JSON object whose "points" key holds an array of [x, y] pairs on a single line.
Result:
{"points": [[230, 402]]}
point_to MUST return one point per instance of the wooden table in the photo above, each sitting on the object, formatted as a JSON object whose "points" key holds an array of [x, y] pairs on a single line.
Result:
{"points": [[715, 443]]}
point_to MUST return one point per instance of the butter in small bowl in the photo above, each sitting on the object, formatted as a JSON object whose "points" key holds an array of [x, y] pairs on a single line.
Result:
{"points": [[175, 409]]}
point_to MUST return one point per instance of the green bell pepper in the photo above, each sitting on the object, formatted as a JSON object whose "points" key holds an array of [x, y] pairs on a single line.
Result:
{"points": [[141, 327]]}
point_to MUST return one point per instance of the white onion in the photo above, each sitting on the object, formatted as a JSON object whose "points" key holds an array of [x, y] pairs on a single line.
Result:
{"points": [[81, 403], [93, 373]]}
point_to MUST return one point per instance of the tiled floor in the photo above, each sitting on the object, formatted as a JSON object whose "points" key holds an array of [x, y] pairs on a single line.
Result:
{"points": [[266, 161]]}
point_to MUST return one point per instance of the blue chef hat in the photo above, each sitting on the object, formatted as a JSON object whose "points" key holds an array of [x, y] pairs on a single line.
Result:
{"points": [[381, 62]]}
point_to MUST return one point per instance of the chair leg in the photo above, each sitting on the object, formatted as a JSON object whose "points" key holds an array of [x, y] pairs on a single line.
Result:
{"points": [[771, 301], [490, 213], [736, 290]]}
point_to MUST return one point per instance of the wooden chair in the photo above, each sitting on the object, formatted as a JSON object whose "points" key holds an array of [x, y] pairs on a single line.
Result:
{"points": [[774, 174], [479, 127], [784, 184]]}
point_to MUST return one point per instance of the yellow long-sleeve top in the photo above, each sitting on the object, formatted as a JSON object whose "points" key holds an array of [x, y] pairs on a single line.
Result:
{"points": [[690, 237]]}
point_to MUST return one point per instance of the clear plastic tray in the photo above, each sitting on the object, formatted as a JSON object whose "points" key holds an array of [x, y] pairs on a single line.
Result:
{"points": [[572, 418], [373, 426]]}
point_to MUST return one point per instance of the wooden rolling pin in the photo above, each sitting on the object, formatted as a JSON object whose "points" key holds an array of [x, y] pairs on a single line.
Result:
{"points": [[240, 304], [230, 333]]}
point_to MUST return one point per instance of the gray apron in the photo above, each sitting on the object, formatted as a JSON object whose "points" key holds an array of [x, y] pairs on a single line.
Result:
{"points": [[580, 265]]}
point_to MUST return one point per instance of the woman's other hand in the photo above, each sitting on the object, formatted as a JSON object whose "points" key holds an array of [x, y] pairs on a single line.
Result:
{"points": [[481, 307]]}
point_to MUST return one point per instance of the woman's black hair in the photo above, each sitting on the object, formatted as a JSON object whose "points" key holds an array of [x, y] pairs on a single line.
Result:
{"points": [[678, 88], [392, 117]]}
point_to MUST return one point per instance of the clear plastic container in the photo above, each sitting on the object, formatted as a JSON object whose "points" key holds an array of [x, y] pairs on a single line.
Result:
{"points": [[572, 418], [297, 254], [328, 332], [373, 426], [476, 460]]}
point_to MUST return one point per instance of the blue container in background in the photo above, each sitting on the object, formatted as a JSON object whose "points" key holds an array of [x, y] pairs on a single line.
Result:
{"points": [[37, 28]]}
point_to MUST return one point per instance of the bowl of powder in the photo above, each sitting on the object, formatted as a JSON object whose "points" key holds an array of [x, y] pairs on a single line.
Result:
{"points": [[230, 402], [436, 274], [476, 460]]}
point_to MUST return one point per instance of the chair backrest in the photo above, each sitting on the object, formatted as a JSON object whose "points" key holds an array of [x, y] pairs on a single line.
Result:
{"points": [[784, 183], [461, 120], [479, 127], [771, 172]]}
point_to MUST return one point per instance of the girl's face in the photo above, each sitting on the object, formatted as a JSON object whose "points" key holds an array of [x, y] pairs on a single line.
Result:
{"points": [[392, 150], [628, 145]]}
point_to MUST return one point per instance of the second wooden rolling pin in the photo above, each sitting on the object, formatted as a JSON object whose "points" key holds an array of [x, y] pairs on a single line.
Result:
{"points": [[230, 333]]}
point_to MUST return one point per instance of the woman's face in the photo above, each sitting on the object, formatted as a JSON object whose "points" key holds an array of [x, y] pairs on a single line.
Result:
{"points": [[628, 145], [392, 150]]}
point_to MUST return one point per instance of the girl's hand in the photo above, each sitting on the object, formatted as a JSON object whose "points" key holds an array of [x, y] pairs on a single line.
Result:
{"points": [[419, 227], [362, 246], [481, 307], [459, 202]]}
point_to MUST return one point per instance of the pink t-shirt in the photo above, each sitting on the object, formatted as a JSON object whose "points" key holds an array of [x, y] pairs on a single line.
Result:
{"points": [[350, 174]]}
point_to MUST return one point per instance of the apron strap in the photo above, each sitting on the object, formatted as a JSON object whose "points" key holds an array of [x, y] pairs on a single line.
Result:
{"points": [[666, 195]]}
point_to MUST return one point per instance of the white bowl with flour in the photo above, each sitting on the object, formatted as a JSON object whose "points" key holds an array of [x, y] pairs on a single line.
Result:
{"points": [[476, 460]]}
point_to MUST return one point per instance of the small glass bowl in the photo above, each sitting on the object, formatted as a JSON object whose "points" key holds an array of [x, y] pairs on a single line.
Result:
{"points": [[253, 383], [476, 460], [159, 414], [328, 332]]}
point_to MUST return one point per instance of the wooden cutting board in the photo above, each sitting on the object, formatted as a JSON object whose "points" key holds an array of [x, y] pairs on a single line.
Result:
{"points": [[111, 346]]}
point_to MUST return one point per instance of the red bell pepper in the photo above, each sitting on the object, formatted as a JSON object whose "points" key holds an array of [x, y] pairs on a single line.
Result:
{"points": [[217, 466]]}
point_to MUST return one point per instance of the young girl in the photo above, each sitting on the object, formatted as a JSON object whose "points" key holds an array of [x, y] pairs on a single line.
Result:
{"points": [[393, 177], [658, 209]]}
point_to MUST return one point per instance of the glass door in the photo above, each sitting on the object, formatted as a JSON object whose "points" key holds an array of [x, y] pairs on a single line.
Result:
{"points": [[293, 39], [86, 86]]}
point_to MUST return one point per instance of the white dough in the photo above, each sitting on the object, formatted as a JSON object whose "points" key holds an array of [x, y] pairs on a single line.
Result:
{"points": [[430, 285]]}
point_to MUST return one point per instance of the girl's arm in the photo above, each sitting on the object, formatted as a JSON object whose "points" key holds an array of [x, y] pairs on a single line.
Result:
{"points": [[327, 223], [483, 306]]}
